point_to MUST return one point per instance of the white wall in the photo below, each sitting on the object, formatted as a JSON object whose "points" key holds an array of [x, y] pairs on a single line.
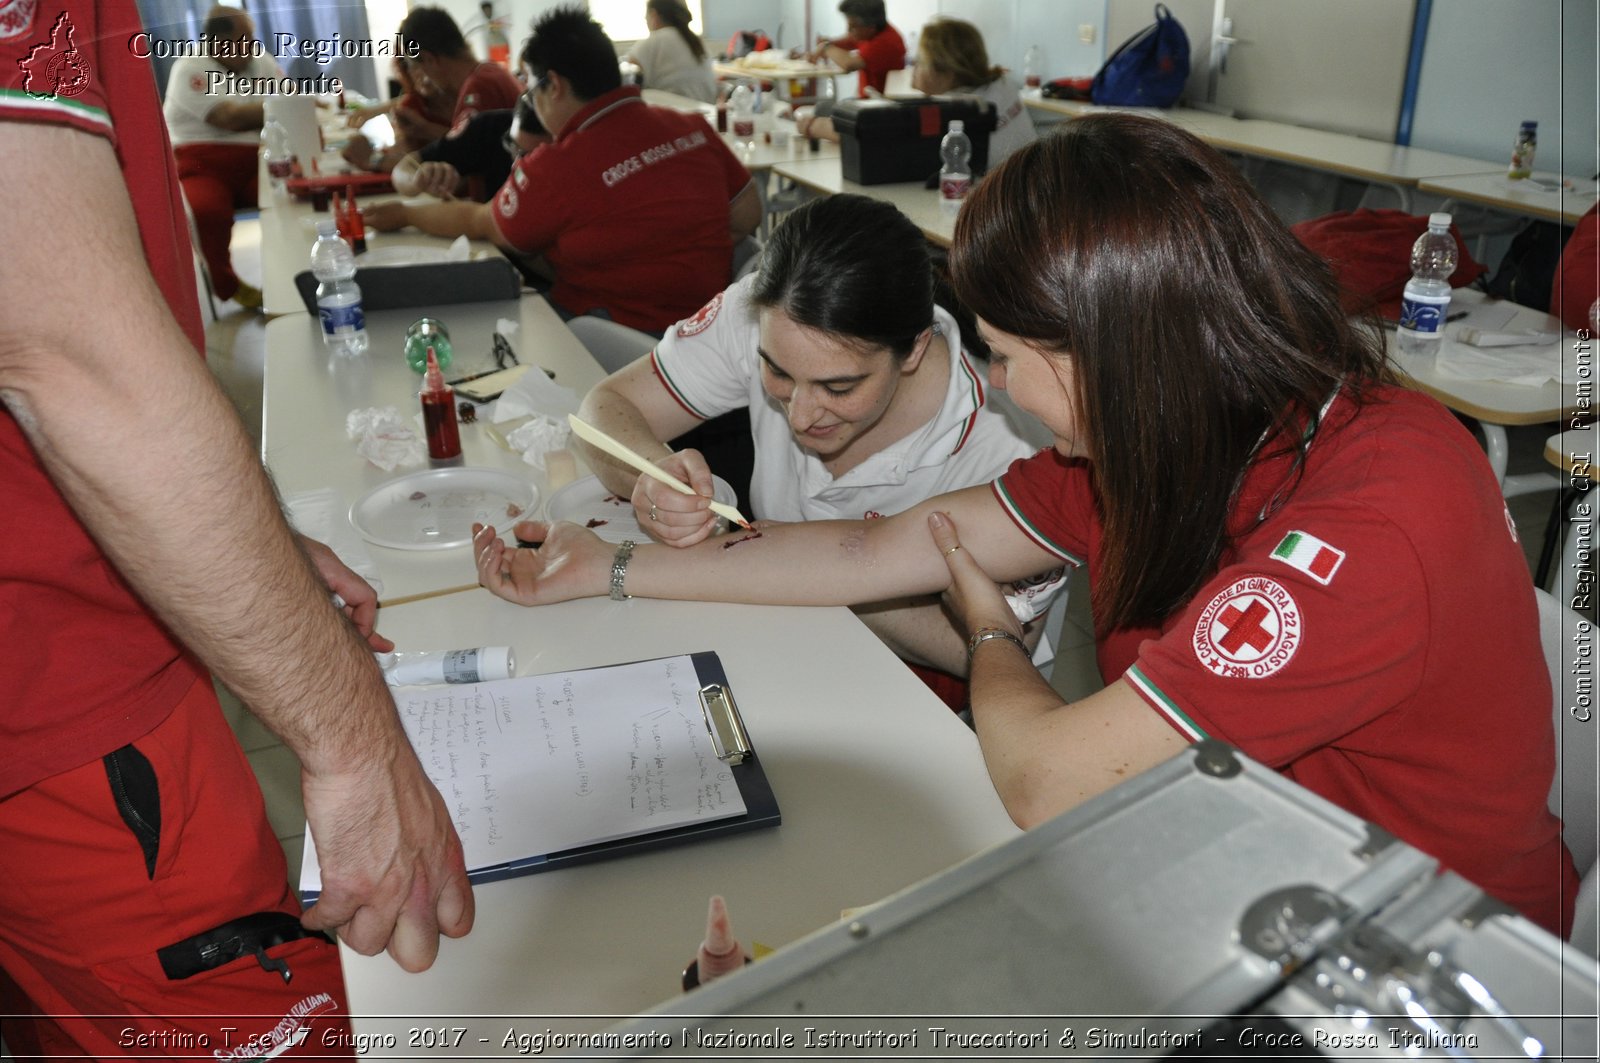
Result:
{"points": [[1489, 65]]}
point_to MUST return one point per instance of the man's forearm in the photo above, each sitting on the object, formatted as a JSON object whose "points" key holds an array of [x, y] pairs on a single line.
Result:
{"points": [[461, 218], [150, 455]]}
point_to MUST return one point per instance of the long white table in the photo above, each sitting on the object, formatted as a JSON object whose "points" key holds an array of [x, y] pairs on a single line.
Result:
{"points": [[1495, 404], [289, 230], [921, 204], [1544, 195], [1399, 168], [879, 785], [308, 393]]}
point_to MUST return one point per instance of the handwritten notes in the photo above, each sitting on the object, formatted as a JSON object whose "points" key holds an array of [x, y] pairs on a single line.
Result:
{"points": [[544, 763]]}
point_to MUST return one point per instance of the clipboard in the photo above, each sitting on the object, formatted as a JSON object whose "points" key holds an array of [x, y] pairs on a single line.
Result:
{"points": [[729, 742]]}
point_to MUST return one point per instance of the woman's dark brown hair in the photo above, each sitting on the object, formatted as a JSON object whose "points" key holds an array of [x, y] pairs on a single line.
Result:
{"points": [[676, 14], [1195, 324]]}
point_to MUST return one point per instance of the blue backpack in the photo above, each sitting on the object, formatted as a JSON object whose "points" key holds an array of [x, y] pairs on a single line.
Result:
{"points": [[1150, 68]]}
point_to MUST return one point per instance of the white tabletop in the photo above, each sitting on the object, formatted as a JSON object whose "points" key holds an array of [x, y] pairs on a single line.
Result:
{"points": [[1575, 452], [308, 393], [1320, 149], [1544, 195], [921, 204], [289, 230], [1492, 401], [879, 786]]}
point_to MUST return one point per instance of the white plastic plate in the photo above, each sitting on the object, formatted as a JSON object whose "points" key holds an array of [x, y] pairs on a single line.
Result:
{"points": [[435, 510]]}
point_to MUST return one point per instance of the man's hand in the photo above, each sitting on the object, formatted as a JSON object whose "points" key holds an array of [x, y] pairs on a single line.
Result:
{"points": [[358, 152], [393, 874], [386, 216], [358, 600], [571, 562]]}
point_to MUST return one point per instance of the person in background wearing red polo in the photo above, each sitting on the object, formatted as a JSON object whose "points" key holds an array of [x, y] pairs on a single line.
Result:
{"points": [[633, 209], [872, 46], [443, 60], [145, 908], [1576, 287], [215, 135]]}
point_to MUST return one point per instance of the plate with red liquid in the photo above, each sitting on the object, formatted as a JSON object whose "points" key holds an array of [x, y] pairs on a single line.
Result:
{"points": [[588, 502], [435, 510]]}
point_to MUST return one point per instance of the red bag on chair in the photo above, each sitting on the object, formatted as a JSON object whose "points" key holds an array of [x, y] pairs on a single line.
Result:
{"points": [[1370, 252]]}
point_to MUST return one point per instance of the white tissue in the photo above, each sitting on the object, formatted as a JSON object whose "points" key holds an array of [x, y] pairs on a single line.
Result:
{"points": [[537, 437], [536, 395], [459, 251], [506, 327], [385, 438]]}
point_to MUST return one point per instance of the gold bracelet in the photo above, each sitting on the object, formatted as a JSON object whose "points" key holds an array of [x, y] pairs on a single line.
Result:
{"points": [[984, 634]]}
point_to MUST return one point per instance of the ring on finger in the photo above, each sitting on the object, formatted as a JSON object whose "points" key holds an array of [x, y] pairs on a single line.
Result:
{"points": [[952, 550], [653, 513]]}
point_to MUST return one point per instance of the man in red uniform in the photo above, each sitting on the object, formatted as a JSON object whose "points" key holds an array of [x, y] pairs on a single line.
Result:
{"points": [[444, 60], [215, 134], [633, 208], [144, 905], [872, 46]]}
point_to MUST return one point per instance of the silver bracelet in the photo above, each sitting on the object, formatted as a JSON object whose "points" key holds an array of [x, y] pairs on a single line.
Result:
{"points": [[619, 570], [984, 634]]}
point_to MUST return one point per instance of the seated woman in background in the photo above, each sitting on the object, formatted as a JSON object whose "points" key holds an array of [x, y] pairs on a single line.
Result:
{"points": [[952, 61], [673, 58], [862, 401], [1287, 551]]}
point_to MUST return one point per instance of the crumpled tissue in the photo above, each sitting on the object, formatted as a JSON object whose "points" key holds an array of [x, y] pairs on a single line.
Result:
{"points": [[532, 414], [385, 438], [459, 251]]}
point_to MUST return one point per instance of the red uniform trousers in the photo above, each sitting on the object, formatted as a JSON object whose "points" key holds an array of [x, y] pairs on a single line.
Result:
{"points": [[217, 180], [110, 876]]}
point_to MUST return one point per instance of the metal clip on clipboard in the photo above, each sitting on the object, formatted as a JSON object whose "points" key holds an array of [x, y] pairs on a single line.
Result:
{"points": [[728, 737]]}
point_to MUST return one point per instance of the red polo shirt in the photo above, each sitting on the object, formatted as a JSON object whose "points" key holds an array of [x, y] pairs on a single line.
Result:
{"points": [[1370, 632], [87, 668], [629, 205], [882, 52]]}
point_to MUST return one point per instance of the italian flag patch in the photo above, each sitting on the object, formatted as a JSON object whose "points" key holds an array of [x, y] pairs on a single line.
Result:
{"points": [[1310, 555]]}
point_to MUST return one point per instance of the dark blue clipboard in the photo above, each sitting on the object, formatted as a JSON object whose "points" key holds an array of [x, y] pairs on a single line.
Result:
{"points": [[761, 806]]}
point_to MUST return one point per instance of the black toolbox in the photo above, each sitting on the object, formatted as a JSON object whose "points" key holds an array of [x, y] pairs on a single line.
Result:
{"points": [[886, 141]]}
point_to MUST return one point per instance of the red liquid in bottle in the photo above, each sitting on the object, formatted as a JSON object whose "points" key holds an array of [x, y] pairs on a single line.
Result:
{"points": [[439, 413]]}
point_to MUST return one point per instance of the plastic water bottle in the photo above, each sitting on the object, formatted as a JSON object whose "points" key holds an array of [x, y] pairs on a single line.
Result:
{"points": [[344, 325], [955, 176], [279, 157], [1522, 150], [1033, 67], [742, 115], [1426, 299]]}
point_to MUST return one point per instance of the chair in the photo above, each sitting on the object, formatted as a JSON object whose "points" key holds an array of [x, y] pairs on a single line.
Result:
{"points": [[611, 344], [1575, 793], [746, 257], [482, 280]]}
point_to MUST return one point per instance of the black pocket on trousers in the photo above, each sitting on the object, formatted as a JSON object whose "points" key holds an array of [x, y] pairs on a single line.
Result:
{"points": [[138, 799]]}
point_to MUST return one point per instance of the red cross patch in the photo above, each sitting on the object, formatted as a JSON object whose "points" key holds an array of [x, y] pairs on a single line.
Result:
{"points": [[702, 319], [1249, 630]]}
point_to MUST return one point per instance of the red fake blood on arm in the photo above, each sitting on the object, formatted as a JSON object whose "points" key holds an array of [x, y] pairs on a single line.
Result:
{"points": [[742, 539]]}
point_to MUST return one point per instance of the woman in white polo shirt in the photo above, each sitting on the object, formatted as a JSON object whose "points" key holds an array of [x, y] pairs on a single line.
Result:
{"points": [[861, 398]]}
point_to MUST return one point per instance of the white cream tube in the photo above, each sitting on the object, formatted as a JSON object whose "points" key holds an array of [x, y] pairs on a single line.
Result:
{"points": [[447, 666]]}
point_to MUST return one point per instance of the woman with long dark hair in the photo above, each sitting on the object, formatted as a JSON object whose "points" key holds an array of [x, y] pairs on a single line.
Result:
{"points": [[1287, 551], [673, 58]]}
